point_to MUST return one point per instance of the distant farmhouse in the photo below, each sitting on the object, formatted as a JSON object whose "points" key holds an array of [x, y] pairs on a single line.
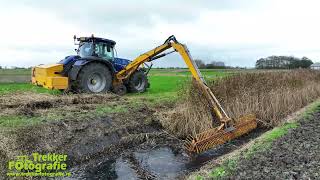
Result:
{"points": [[315, 66], [283, 62]]}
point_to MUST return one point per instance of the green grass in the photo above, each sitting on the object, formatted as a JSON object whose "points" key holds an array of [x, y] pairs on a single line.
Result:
{"points": [[162, 89], [160, 84], [6, 88], [164, 86], [18, 121]]}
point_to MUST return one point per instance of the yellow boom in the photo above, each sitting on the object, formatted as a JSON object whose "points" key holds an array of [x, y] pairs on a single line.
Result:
{"points": [[228, 128]]}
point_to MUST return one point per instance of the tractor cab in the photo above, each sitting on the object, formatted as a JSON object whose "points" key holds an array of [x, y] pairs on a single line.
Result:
{"points": [[100, 48], [96, 47]]}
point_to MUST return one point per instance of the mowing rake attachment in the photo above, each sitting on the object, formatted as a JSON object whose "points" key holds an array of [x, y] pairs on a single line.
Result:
{"points": [[220, 135]]}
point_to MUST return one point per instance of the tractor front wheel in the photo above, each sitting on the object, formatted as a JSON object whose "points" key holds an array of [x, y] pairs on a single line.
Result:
{"points": [[94, 78], [138, 82]]}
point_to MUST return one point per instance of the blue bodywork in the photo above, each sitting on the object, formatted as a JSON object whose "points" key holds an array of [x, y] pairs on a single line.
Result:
{"points": [[118, 63], [69, 59]]}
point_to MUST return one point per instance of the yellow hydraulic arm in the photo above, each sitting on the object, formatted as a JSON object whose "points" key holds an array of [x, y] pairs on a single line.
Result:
{"points": [[171, 42], [228, 129]]}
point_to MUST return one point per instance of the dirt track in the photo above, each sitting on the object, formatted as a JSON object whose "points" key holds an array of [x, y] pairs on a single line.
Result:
{"points": [[294, 156]]}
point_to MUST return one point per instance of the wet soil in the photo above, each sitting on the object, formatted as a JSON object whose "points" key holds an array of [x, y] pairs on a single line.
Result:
{"points": [[160, 158], [130, 144], [294, 156], [42, 105]]}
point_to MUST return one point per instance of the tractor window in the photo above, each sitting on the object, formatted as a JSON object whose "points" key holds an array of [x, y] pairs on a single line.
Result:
{"points": [[104, 51], [85, 49]]}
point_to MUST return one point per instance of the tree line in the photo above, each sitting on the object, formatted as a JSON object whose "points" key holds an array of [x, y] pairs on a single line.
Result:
{"points": [[211, 65], [283, 62]]}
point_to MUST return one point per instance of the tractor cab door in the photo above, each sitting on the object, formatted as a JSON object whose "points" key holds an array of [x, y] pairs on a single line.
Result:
{"points": [[104, 51]]}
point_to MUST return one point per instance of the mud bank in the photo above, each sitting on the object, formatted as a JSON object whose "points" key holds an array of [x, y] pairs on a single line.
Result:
{"points": [[293, 156]]}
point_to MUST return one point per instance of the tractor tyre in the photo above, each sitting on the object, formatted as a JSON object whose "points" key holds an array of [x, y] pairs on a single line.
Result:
{"points": [[120, 90], [94, 78], [138, 82]]}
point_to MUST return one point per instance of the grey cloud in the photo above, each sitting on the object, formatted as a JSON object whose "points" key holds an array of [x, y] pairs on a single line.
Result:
{"points": [[116, 15]]}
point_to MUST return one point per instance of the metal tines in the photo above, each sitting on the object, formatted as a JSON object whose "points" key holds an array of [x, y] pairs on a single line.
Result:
{"points": [[217, 136]]}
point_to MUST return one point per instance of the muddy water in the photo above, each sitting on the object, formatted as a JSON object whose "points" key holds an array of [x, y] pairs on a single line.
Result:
{"points": [[158, 163], [163, 163]]}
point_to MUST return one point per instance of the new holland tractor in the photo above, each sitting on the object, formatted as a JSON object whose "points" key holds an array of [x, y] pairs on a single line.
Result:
{"points": [[92, 70], [95, 70]]}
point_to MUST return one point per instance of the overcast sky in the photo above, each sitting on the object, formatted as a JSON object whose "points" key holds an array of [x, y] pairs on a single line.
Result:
{"points": [[237, 32]]}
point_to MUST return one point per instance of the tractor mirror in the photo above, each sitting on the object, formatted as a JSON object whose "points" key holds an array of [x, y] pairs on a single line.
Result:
{"points": [[74, 39], [108, 49]]}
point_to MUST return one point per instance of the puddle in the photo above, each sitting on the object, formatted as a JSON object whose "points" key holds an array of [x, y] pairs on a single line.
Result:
{"points": [[124, 171], [158, 163], [111, 169], [162, 163]]}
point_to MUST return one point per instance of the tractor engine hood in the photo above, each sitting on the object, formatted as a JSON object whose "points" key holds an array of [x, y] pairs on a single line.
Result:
{"points": [[69, 59], [120, 63]]}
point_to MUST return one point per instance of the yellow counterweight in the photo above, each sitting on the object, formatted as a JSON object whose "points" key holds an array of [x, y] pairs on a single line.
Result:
{"points": [[49, 76]]}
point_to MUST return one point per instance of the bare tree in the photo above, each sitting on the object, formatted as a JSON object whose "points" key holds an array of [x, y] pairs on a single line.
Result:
{"points": [[200, 63]]}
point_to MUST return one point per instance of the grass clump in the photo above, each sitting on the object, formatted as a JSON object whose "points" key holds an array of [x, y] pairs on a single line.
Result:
{"points": [[13, 121], [7, 88]]}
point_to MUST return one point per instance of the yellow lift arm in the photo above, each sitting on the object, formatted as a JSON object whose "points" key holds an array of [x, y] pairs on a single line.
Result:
{"points": [[228, 128]]}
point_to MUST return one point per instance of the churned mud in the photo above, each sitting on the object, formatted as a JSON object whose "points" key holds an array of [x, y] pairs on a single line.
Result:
{"points": [[118, 144], [131, 143], [35, 104], [91, 142], [293, 156]]}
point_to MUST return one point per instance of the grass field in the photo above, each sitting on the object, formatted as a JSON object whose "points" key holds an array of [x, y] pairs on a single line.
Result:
{"points": [[163, 81]]}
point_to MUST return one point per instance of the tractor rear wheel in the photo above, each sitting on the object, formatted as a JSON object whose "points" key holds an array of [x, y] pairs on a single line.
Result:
{"points": [[94, 78], [138, 82]]}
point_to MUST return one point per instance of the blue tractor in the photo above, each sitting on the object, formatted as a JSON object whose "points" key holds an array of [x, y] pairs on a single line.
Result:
{"points": [[92, 70]]}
